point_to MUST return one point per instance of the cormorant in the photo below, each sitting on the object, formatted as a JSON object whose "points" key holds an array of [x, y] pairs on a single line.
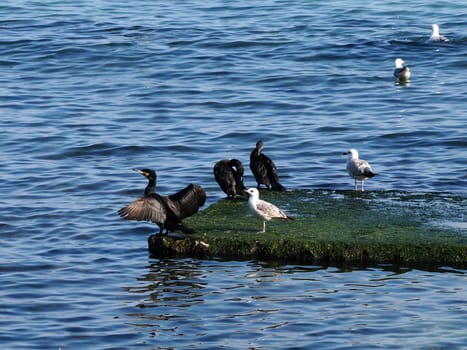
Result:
{"points": [[165, 211], [229, 176], [264, 210], [264, 169], [359, 169]]}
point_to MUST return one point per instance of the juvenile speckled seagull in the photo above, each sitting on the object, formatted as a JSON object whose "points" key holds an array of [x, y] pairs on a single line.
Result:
{"points": [[264, 210], [435, 36], [401, 72], [359, 169]]}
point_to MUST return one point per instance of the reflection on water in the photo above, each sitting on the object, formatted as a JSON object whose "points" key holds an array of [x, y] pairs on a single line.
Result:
{"points": [[212, 304]]}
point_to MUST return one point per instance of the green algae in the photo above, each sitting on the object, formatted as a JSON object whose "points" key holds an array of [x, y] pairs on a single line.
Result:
{"points": [[331, 227]]}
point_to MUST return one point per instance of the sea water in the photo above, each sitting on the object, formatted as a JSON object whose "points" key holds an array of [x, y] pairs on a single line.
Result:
{"points": [[91, 89]]}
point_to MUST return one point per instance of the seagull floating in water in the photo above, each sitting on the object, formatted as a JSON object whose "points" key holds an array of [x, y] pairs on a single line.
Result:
{"points": [[401, 72], [359, 169], [264, 169], [264, 210], [165, 211], [435, 36], [229, 176]]}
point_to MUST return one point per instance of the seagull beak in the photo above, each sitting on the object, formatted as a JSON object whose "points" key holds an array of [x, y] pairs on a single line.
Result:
{"points": [[246, 191]]}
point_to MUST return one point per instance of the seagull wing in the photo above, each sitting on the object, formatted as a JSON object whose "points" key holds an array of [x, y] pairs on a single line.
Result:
{"points": [[360, 167], [399, 71], [270, 211]]}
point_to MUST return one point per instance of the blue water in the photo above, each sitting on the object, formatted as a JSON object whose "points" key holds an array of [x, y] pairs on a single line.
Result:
{"points": [[91, 89]]}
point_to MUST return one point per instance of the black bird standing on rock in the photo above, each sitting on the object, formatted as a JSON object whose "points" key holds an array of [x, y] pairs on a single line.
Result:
{"points": [[264, 169], [229, 176], [166, 211]]}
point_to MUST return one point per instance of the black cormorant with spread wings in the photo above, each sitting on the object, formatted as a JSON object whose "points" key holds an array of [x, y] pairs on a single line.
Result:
{"points": [[229, 176], [165, 211], [264, 169]]}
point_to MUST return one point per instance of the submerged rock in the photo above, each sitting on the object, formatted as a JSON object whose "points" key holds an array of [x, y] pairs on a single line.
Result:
{"points": [[331, 227]]}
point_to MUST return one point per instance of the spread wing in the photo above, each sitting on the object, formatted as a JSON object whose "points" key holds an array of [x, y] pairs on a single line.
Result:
{"points": [[187, 202], [145, 209]]}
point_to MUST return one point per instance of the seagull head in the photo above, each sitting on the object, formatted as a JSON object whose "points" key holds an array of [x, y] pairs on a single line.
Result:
{"points": [[352, 153], [252, 193], [435, 28], [399, 62]]}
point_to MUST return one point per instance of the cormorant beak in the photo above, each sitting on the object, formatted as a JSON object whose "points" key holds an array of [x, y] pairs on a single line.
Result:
{"points": [[140, 172]]}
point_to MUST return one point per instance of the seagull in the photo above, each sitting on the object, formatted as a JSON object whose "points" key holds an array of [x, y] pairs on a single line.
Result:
{"points": [[435, 36], [229, 175], [359, 169], [264, 169], [165, 211], [264, 210], [401, 72]]}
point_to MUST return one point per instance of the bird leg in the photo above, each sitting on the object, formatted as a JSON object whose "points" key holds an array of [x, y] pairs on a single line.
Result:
{"points": [[264, 227], [363, 181], [356, 188]]}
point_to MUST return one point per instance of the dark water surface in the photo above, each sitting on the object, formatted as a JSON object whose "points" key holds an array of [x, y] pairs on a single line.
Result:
{"points": [[91, 89]]}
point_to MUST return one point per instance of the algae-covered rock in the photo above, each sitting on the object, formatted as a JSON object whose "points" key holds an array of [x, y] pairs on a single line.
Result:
{"points": [[331, 227]]}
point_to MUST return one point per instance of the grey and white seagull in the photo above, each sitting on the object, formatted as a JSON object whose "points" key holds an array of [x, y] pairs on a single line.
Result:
{"points": [[264, 210], [357, 168], [435, 36]]}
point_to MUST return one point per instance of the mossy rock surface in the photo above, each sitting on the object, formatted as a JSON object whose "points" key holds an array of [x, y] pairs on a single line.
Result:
{"points": [[331, 227]]}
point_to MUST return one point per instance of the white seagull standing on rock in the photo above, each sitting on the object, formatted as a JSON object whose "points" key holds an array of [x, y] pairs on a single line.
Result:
{"points": [[264, 210], [359, 169], [401, 72], [435, 36]]}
